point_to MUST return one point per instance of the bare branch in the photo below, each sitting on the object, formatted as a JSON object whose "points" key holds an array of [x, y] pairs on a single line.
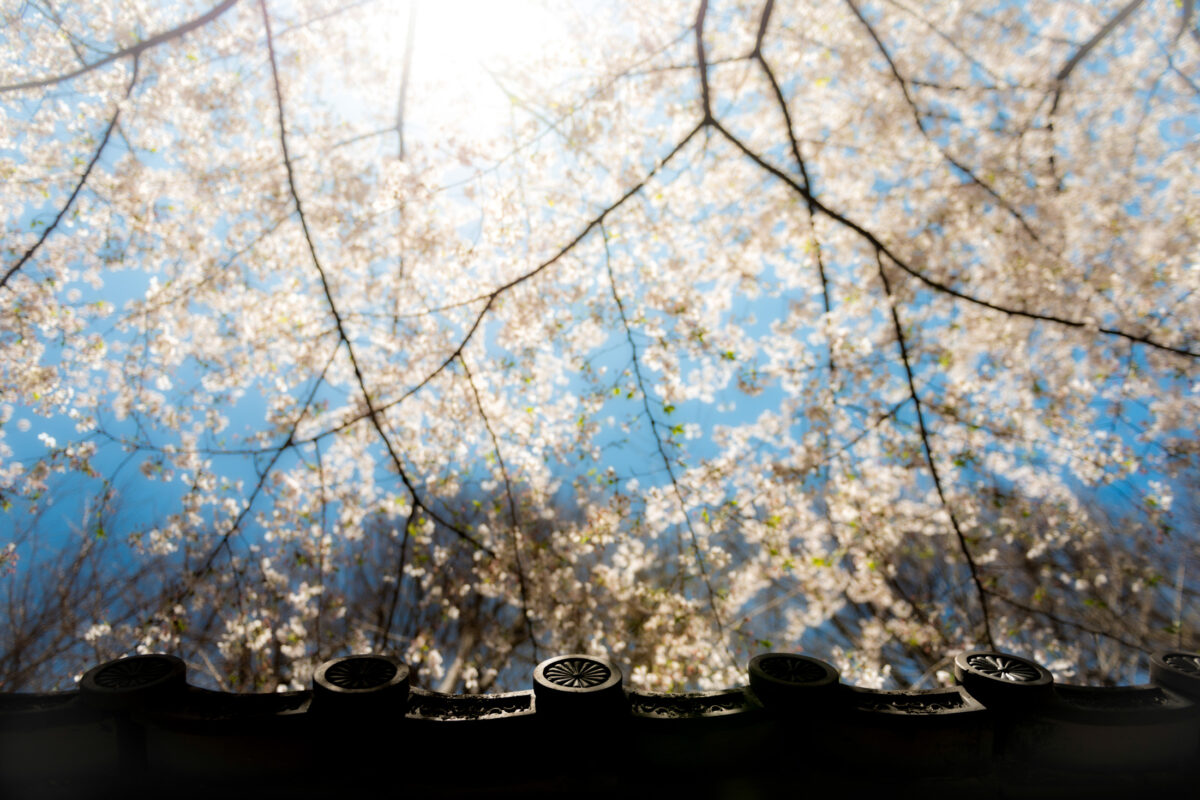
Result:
{"points": [[1064, 74], [1028, 609], [637, 369], [781, 101], [235, 526], [932, 283], [1079, 55], [133, 50], [514, 523], [112, 124], [491, 297], [764, 21], [386, 627], [902, 82], [372, 413], [933, 470], [702, 61]]}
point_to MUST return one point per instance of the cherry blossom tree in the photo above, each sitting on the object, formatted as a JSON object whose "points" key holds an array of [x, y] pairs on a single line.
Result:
{"points": [[683, 332]]}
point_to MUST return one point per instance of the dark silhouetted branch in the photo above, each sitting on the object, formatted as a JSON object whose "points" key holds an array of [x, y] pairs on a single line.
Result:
{"points": [[702, 62], [932, 283], [112, 124], [1064, 74], [902, 82], [514, 524], [372, 413], [933, 470], [637, 370], [131, 51]]}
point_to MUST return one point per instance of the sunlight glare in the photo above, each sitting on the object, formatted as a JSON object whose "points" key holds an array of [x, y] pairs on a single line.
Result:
{"points": [[457, 42]]}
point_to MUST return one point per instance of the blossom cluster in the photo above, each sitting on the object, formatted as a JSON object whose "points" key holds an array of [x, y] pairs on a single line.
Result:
{"points": [[867, 330]]}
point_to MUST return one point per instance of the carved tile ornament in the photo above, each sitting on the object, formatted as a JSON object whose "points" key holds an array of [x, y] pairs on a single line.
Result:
{"points": [[135, 680], [433, 705], [786, 681], [1003, 682], [568, 683], [578, 683], [1184, 662], [1178, 671], [1005, 668], [132, 673], [203, 704], [683, 706], [364, 672], [792, 670], [577, 673], [912, 704]]}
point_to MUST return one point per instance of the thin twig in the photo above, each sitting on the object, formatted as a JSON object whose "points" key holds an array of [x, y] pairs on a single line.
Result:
{"points": [[637, 369], [372, 413], [400, 559], [933, 470], [131, 51], [1064, 74], [112, 124], [902, 82], [514, 523], [932, 283], [1062, 621]]}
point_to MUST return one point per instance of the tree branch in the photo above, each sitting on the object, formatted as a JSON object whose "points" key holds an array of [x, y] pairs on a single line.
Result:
{"points": [[702, 62], [932, 283], [1079, 55], [1062, 621], [235, 526], [400, 559], [515, 526], [781, 101], [1064, 74], [112, 124], [491, 297], [764, 20], [903, 84], [372, 412], [637, 369], [933, 470], [133, 50]]}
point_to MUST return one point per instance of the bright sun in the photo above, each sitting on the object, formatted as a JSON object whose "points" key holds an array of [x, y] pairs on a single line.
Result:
{"points": [[455, 43]]}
